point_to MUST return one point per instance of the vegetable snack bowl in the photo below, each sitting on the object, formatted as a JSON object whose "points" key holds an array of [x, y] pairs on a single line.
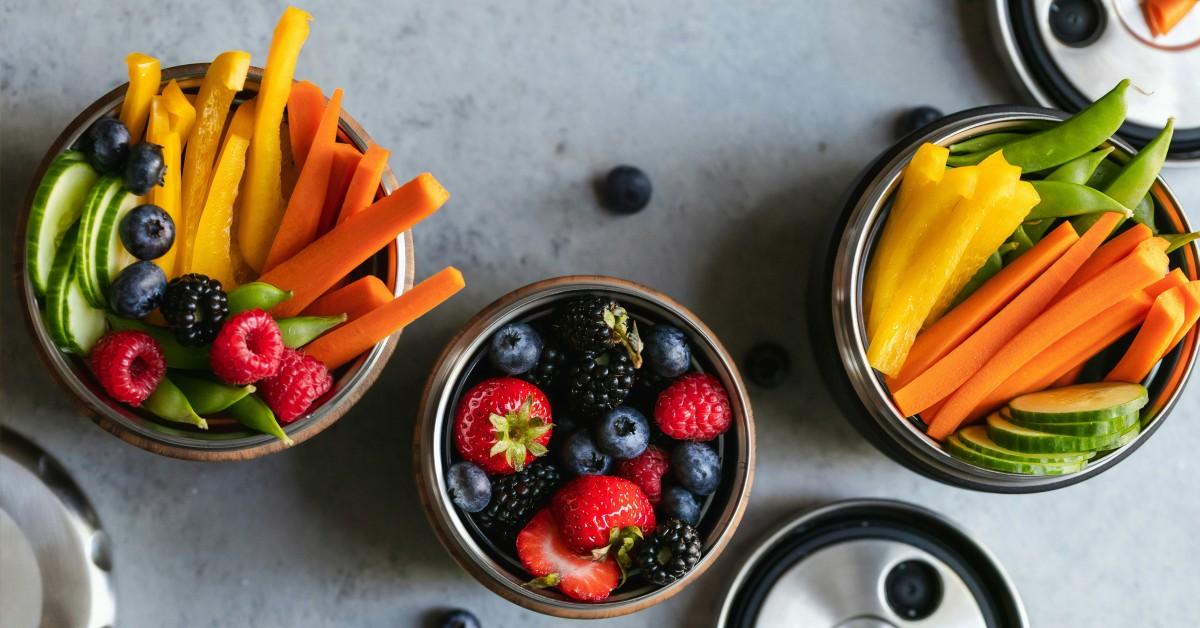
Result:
{"points": [[225, 439], [434, 447], [838, 329]]}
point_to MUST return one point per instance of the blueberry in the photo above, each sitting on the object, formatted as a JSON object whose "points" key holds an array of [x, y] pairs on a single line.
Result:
{"points": [[626, 190], [145, 168], [767, 364], [580, 456], [666, 351], [147, 232], [137, 290], [697, 467], [679, 503], [459, 619], [916, 118], [469, 486], [515, 348], [622, 433], [106, 144]]}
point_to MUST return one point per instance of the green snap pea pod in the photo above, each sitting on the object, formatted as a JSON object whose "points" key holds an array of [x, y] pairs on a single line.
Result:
{"points": [[301, 330], [968, 159], [1077, 135], [207, 396], [256, 415], [991, 141], [1080, 169], [256, 294], [178, 356], [1018, 243], [1060, 200], [169, 403], [1177, 240], [1038, 228], [1130, 184]]}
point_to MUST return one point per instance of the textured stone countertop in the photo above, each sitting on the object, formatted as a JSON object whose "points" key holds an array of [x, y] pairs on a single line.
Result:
{"points": [[750, 117]]}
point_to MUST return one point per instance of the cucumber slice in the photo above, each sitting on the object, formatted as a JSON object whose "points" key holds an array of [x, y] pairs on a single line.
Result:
{"points": [[57, 204], [94, 208], [1009, 435], [1080, 404], [1126, 438], [1118, 425], [111, 256], [956, 448], [975, 437], [62, 274]]}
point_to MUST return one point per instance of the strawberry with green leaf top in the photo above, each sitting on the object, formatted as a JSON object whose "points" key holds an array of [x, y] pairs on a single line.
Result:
{"points": [[502, 424]]}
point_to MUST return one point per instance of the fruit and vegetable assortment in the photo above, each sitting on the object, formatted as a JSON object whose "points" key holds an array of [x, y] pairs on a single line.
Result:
{"points": [[201, 269], [1009, 265], [587, 448]]}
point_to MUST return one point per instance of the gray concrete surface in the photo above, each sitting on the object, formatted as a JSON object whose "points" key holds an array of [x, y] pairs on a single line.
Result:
{"points": [[750, 117]]}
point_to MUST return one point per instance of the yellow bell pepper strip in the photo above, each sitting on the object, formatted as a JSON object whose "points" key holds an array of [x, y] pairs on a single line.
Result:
{"points": [[996, 228], [145, 74], [211, 252], [180, 110], [934, 263], [225, 77], [166, 196], [903, 232], [264, 193]]}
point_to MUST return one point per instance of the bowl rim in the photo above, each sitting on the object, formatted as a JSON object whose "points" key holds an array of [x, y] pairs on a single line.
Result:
{"points": [[866, 206], [434, 403], [109, 415]]}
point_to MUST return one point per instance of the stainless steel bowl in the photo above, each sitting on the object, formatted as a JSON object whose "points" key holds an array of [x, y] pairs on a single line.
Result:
{"points": [[839, 336], [225, 440], [434, 443]]}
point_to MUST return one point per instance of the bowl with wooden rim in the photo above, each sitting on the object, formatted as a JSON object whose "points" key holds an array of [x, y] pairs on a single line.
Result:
{"points": [[225, 439]]}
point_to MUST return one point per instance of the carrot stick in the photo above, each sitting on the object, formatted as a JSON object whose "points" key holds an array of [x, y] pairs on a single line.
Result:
{"points": [[305, 104], [1071, 377], [303, 215], [958, 366], [1108, 254], [1153, 340], [353, 300], [345, 162], [351, 339], [1164, 15], [365, 183], [1143, 267], [1191, 312], [950, 330], [320, 265]]}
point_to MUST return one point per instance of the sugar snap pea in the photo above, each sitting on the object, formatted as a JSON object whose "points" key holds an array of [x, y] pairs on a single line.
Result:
{"points": [[1080, 169], [1177, 240], [178, 356], [1130, 184], [1060, 199], [1037, 228], [207, 396], [256, 294], [256, 415], [1076, 136], [1018, 243], [169, 403], [301, 330], [990, 141]]}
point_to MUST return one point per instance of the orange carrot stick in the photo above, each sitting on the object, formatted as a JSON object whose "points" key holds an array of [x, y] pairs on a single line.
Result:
{"points": [[950, 330], [345, 162], [1108, 254], [1071, 377], [1191, 311], [305, 105], [1152, 341], [950, 372], [353, 300], [320, 265], [1143, 267], [1164, 15], [365, 183], [351, 339], [303, 214]]}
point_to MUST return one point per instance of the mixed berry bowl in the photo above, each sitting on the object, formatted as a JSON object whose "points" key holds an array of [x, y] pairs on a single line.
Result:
{"points": [[585, 447]]}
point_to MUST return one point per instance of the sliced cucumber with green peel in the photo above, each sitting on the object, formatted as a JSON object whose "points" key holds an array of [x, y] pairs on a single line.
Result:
{"points": [[1118, 425], [1012, 436], [975, 437], [62, 274], [57, 204], [111, 256], [1126, 438], [75, 323], [95, 211], [1083, 403], [956, 448]]}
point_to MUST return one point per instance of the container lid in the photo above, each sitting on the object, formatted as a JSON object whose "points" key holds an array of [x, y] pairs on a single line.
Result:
{"points": [[1067, 53], [871, 564], [55, 564]]}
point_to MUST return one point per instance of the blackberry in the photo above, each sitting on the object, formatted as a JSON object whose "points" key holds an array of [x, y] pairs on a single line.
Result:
{"points": [[516, 498], [598, 382], [669, 554], [548, 372], [593, 323], [195, 308]]}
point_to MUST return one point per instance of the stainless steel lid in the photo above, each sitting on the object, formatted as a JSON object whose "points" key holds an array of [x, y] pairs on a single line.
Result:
{"points": [[1067, 53], [55, 563], [871, 564]]}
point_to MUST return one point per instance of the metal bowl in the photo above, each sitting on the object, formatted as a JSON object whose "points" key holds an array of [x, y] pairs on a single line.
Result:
{"points": [[500, 571], [839, 336], [225, 440]]}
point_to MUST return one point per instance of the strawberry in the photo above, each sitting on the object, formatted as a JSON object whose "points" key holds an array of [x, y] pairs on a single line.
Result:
{"points": [[647, 471], [598, 512], [544, 554], [694, 407], [502, 424]]}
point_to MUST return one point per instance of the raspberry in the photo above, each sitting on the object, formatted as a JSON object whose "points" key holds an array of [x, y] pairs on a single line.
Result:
{"points": [[129, 365], [647, 471], [247, 349], [695, 407], [301, 380]]}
